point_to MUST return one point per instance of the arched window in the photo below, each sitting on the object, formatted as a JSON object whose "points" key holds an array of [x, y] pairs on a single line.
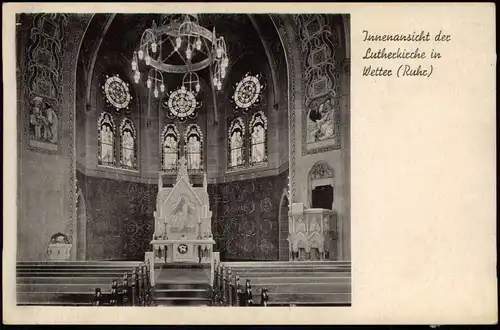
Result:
{"points": [[258, 137], [106, 140], [236, 150], [170, 148], [128, 151], [193, 139]]}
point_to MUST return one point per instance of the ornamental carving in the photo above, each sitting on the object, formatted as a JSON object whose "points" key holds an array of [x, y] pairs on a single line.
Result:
{"points": [[43, 78], [321, 170]]}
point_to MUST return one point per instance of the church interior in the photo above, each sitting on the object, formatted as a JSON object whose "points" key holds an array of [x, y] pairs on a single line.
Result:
{"points": [[183, 159]]}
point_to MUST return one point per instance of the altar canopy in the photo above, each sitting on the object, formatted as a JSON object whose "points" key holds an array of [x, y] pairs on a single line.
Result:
{"points": [[182, 220]]}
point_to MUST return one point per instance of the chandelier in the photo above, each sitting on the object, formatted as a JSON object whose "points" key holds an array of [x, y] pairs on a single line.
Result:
{"points": [[181, 46]]}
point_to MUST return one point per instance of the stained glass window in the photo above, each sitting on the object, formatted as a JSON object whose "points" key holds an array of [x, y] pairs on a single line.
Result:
{"points": [[128, 136], [258, 134], [236, 143], [170, 148], [193, 139], [106, 139], [181, 105], [117, 92], [247, 91]]}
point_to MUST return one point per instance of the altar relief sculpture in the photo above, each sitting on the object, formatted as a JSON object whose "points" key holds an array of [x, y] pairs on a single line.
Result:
{"points": [[183, 215]]}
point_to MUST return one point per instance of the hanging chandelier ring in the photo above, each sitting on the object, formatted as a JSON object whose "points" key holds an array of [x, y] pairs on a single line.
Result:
{"points": [[174, 30], [172, 68]]}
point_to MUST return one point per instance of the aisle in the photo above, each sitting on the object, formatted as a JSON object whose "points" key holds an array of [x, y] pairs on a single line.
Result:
{"points": [[182, 284]]}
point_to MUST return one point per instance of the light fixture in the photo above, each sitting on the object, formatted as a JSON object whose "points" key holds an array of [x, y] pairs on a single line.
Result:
{"points": [[180, 37]]}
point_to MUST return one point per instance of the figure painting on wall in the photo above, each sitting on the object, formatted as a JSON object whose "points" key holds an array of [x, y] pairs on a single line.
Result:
{"points": [[106, 141], [43, 122], [194, 147], [258, 125], [170, 148], [51, 122], [36, 119], [321, 122]]}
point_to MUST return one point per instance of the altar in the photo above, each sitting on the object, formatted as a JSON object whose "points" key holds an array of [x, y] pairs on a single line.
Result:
{"points": [[183, 231]]}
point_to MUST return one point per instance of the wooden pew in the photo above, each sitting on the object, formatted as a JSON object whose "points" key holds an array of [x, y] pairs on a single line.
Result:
{"points": [[71, 283], [135, 289], [227, 291]]}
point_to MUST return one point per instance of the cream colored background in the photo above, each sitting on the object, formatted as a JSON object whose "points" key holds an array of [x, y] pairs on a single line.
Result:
{"points": [[423, 177]]}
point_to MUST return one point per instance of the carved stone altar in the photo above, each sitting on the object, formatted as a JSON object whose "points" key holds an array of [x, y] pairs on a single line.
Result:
{"points": [[183, 230]]}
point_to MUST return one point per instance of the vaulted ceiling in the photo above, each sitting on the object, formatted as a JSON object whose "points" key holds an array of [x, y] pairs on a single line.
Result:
{"points": [[114, 37]]}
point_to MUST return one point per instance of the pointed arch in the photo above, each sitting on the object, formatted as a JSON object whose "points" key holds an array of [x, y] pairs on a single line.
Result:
{"points": [[258, 139], [236, 144], [128, 144], [106, 133], [193, 139], [284, 227], [80, 240], [170, 140]]}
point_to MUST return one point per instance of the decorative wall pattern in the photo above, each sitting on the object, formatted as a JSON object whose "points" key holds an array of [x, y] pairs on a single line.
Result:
{"points": [[321, 81], [44, 82], [119, 218], [245, 218], [279, 21], [78, 28]]}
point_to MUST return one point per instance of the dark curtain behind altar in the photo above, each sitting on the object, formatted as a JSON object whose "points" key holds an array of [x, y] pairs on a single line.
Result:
{"points": [[245, 217]]}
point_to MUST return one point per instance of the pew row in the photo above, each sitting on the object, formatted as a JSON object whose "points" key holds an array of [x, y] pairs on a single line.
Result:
{"points": [[67, 283]]}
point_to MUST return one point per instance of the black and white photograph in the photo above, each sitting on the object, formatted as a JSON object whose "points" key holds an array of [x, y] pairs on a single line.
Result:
{"points": [[183, 159]]}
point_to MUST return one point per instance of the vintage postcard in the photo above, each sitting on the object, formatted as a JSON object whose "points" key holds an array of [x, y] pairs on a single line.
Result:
{"points": [[327, 163]]}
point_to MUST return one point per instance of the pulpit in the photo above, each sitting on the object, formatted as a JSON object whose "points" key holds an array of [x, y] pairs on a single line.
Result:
{"points": [[183, 232]]}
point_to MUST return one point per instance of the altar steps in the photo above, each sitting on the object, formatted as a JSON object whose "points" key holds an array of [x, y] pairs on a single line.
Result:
{"points": [[308, 283], [195, 294], [182, 285], [71, 283]]}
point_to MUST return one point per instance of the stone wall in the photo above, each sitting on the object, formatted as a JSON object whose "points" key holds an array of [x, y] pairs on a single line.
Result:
{"points": [[295, 31], [47, 47]]}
